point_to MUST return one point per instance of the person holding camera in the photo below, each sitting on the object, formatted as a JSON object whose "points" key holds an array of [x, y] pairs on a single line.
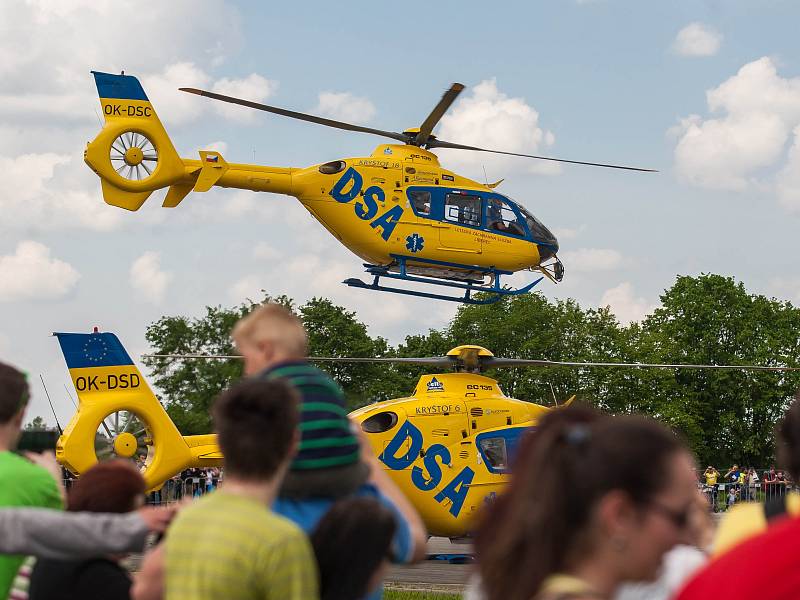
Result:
{"points": [[30, 480]]}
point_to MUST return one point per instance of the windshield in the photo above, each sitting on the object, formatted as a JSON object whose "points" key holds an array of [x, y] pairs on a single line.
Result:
{"points": [[500, 216], [539, 232]]}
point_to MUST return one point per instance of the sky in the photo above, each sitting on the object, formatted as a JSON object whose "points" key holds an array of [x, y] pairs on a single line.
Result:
{"points": [[707, 92]]}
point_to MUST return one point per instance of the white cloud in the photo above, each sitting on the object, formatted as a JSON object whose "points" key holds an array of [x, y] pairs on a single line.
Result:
{"points": [[758, 110], [345, 106], [697, 39], [488, 118], [584, 260], [148, 279], [218, 146], [173, 106], [61, 41], [31, 274], [263, 251], [568, 233], [254, 87], [788, 183], [178, 108], [625, 304], [785, 287], [248, 287], [41, 199]]}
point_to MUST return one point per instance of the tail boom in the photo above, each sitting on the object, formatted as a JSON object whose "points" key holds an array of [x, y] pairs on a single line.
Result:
{"points": [[134, 156]]}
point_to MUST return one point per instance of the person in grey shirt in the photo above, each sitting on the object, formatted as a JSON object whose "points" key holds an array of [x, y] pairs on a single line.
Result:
{"points": [[61, 535]]}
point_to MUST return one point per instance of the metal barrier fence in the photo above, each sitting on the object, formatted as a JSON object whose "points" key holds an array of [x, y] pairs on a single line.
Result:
{"points": [[723, 496], [720, 496], [175, 489]]}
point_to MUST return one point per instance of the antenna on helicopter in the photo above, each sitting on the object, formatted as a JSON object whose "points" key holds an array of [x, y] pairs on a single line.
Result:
{"points": [[66, 389], [50, 402]]}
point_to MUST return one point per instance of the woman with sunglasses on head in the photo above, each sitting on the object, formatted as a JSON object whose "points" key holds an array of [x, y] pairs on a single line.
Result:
{"points": [[595, 501]]}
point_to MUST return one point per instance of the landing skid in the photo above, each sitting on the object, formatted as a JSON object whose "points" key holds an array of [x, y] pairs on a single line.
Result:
{"points": [[472, 280]]}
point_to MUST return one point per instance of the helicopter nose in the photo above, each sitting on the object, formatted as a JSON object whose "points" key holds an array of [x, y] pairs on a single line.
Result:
{"points": [[547, 250]]}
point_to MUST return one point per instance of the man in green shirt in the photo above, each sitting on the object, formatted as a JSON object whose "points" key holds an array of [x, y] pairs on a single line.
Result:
{"points": [[230, 544], [22, 482]]}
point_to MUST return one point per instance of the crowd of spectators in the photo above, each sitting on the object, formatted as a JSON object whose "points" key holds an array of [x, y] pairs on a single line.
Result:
{"points": [[598, 506], [742, 484]]}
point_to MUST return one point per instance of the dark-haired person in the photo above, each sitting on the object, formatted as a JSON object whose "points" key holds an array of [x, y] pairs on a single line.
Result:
{"points": [[333, 461], [108, 487], [31, 481], [595, 501], [229, 544], [748, 519], [352, 543]]}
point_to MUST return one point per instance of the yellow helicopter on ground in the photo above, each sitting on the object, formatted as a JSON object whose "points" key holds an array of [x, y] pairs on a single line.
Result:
{"points": [[398, 209], [449, 445]]}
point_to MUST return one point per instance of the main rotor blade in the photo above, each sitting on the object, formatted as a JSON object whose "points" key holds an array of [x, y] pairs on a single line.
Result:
{"points": [[432, 361], [437, 113], [491, 363], [298, 115], [436, 361], [434, 143]]}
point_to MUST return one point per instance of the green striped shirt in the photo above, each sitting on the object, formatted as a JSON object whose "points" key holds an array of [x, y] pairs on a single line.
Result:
{"points": [[326, 439], [226, 546]]}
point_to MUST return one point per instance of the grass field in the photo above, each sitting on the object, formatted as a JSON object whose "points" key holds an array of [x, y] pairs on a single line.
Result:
{"points": [[409, 595]]}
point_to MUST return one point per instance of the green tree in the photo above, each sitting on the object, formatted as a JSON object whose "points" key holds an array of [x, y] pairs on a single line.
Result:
{"points": [[335, 332], [36, 424], [532, 326], [727, 416], [188, 387]]}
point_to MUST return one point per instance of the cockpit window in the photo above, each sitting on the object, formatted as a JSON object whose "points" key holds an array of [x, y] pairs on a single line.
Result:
{"points": [[502, 218], [538, 230], [464, 209], [499, 448], [494, 449], [420, 202]]}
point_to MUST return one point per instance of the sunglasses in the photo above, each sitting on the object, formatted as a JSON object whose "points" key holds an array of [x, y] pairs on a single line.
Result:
{"points": [[679, 518]]}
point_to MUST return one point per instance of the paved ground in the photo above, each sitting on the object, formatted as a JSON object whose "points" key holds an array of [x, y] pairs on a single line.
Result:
{"points": [[433, 574]]}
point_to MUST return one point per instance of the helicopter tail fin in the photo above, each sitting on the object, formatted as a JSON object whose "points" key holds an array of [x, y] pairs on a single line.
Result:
{"points": [[132, 154], [118, 410]]}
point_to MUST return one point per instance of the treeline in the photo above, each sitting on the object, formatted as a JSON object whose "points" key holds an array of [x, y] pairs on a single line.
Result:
{"points": [[726, 416]]}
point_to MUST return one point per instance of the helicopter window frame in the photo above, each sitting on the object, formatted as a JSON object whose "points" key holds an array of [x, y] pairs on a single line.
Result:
{"points": [[507, 205], [464, 194], [431, 201], [538, 233], [511, 438]]}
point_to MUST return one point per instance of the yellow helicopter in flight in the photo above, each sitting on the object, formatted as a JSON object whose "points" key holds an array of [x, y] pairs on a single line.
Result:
{"points": [[449, 445], [398, 209]]}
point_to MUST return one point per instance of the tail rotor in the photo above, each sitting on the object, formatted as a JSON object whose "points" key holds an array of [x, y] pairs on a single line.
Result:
{"points": [[133, 156]]}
